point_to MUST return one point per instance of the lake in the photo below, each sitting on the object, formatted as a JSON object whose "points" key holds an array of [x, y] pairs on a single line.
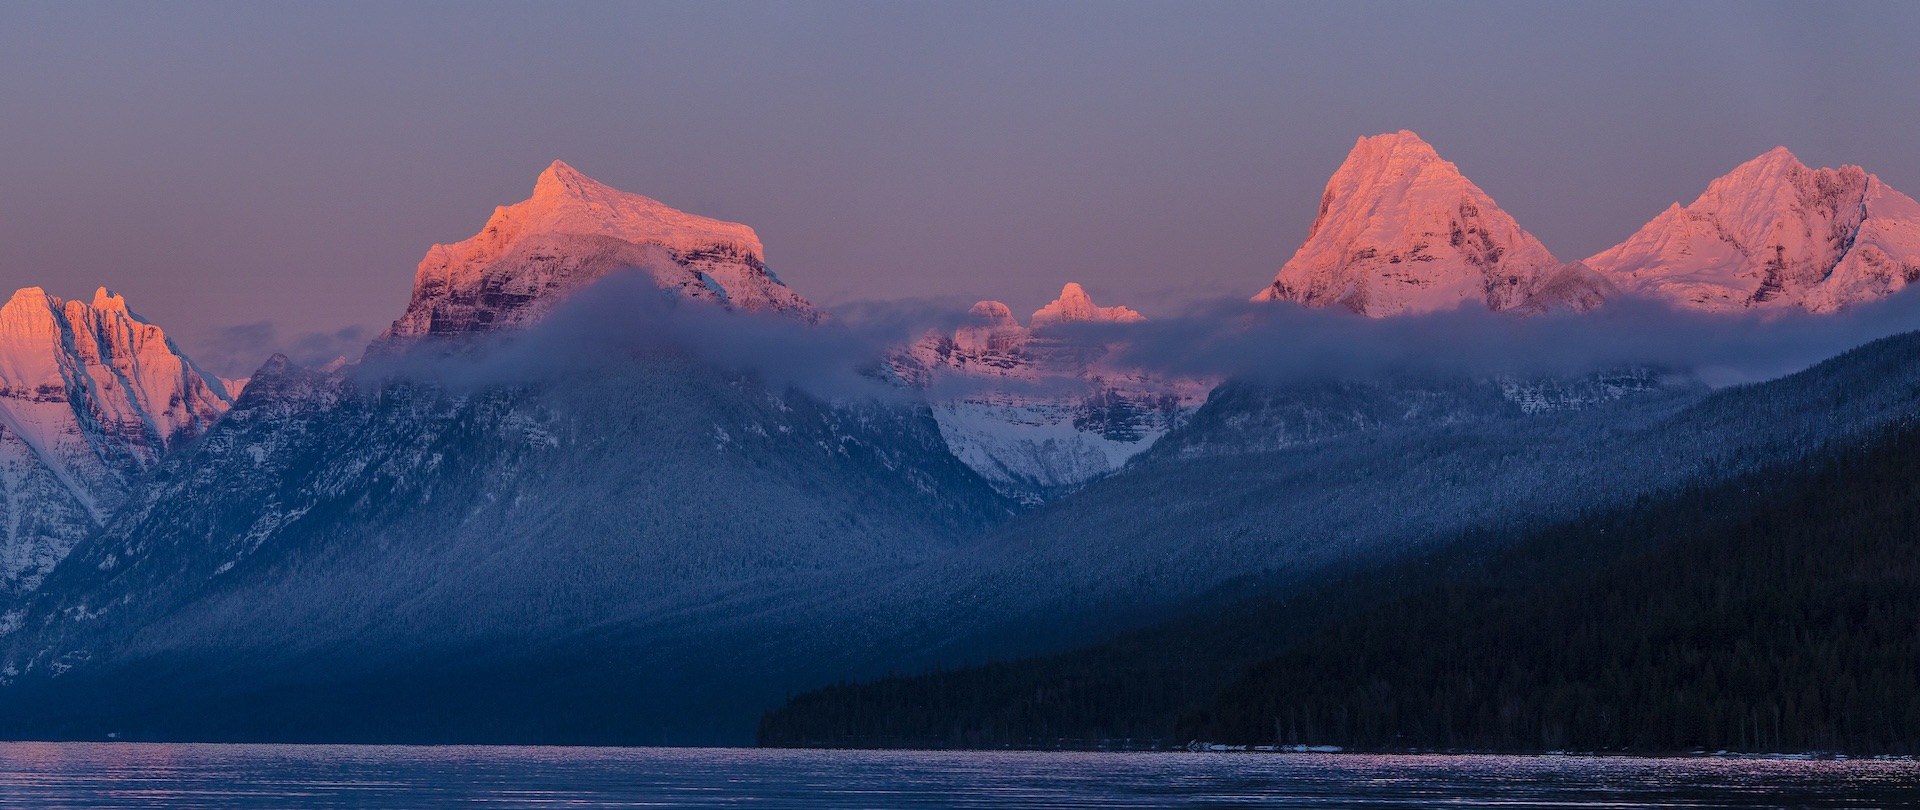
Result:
{"points": [[130, 775]]}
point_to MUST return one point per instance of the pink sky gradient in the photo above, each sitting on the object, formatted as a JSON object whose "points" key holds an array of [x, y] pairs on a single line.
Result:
{"points": [[269, 174]]}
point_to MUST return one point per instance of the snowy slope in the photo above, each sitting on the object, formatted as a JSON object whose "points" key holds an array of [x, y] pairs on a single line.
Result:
{"points": [[624, 500], [651, 515], [1774, 233], [90, 396], [1401, 231], [1037, 410], [571, 232]]}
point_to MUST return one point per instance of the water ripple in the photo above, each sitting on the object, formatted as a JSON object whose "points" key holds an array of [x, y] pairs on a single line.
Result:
{"points": [[108, 776]]}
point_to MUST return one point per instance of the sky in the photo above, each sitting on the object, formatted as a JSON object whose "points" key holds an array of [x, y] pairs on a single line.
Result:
{"points": [[258, 176]]}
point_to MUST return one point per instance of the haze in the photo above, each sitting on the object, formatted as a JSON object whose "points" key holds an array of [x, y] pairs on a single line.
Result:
{"points": [[266, 176]]}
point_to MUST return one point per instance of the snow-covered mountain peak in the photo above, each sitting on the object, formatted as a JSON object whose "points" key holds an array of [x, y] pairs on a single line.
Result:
{"points": [[1402, 231], [1774, 233], [572, 231], [559, 178], [1075, 305], [116, 359], [565, 201], [89, 397]]}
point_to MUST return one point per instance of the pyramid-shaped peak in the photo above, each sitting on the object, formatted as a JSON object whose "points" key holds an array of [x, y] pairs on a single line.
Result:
{"points": [[1401, 231], [1403, 148], [562, 180], [1074, 304], [1775, 162]]}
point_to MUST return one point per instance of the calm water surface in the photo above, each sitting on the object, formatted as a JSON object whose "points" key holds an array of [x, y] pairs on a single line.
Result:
{"points": [[109, 775]]}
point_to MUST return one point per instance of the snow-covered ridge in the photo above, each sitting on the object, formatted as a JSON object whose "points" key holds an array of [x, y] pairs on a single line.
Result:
{"points": [[571, 232], [90, 395], [1037, 412], [1401, 231], [1774, 233]]}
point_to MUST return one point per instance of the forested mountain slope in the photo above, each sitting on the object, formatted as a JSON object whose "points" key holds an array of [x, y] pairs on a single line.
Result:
{"points": [[630, 533], [1214, 506], [1503, 479], [1772, 613]]}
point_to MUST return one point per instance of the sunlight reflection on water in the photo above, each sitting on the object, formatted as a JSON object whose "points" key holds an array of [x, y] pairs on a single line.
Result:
{"points": [[134, 775]]}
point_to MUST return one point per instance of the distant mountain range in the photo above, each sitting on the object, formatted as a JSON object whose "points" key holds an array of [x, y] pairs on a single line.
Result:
{"points": [[534, 511]]}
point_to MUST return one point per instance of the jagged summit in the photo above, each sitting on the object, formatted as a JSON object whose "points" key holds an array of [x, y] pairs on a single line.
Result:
{"points": [[572, 231], [105, 299], [1774, 233], [1402, 231], [100, 357], [90, 396], [1075, 305]]}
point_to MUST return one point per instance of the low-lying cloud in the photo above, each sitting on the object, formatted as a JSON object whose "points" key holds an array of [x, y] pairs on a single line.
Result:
{"points": [[625, 314], [1279, 341]]}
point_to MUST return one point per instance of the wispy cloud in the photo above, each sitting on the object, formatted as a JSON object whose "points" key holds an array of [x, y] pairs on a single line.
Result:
{"points": [[235, 351]]}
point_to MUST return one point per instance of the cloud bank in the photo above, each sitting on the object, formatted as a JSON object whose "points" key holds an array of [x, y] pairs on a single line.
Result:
{"points": [[625, 315]]}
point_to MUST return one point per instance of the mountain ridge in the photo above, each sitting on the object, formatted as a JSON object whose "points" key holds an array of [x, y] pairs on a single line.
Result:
{"points": [[1774, 234]]}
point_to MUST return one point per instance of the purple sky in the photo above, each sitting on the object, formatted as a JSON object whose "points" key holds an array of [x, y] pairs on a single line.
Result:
{"points": [[257, 176]]}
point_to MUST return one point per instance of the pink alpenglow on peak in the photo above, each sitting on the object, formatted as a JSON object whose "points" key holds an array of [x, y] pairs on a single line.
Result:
{"points": [[1774, 234], [1401, 231], [90, 396], [105, 299], [103, 357], [1075, 305], [570, 233]]}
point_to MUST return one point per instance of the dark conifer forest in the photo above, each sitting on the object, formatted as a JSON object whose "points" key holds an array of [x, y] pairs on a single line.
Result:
{"points": [[1779, 611]]}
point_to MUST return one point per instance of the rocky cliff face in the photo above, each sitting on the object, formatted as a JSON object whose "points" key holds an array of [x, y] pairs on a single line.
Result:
{"points": [[90, 396], [1774, 234]]}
